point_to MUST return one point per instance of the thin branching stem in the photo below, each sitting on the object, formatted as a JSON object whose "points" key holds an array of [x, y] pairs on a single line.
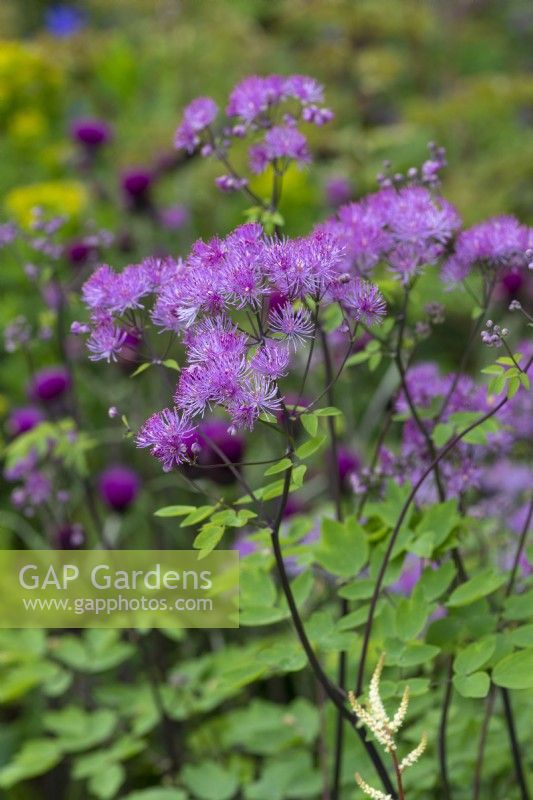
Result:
{"points": [[336, 695]]}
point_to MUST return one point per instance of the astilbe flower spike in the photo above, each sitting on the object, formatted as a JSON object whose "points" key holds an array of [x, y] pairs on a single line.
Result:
{"points": [[374, 715]]}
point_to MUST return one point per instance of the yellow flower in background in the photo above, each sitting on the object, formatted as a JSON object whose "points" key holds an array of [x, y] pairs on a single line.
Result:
{"points": [[27, 125], [29, 80], [68, 198]]}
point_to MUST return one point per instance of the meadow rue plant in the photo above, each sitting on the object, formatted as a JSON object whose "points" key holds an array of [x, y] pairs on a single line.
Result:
{"points": [[318, 403]]}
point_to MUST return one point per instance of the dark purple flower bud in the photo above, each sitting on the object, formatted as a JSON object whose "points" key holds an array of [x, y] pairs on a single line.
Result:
{"points": [[70, 537], [78, 252], [136, 185], [90, 132], [24, 419], [49, 383], [512, 282], [119, 486], [277, 300]]}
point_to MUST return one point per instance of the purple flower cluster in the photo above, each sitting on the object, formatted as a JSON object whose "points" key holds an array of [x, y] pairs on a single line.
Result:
{"points": [[466, 466], [227, 365], [270, 108], [35, 487], [406, 228], [197, 116], [499, 242], [110, 295]]}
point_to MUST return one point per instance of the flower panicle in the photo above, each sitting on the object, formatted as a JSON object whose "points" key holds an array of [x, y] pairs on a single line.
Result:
{"points": [[375, 794], [374, 715], [412, 757]]}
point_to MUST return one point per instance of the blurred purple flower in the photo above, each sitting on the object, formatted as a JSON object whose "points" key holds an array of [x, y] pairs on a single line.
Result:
{"points": [[49, 383], [24, 419], [338, 191], [136, 184], [70, 537], [90, 132], [118, 486], [174, 217]]}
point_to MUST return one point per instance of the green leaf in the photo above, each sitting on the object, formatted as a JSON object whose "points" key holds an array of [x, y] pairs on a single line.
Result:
{"points": [[302, 586], [36, 757], [360, 589], [497, 385], [439, 520], [519, 606], [515, 671], [174, 511], [157, 794], [171, 363], [411, 616], [493, 369], [479, 434], [507, 361], [311, 446], [208, 538], [77, 729], [298, 475], [475, 685], [141, 369], [259, 615], [442, 433], [279, 466], [374, 361], [105, 784], [522, 636], [357, 358], [343, 548], [198, 515], [310, 423], [97, 651], [474, 589], [411, 654], [514, 386], [256, 588], [207, 780], [434, 582], [328, 411], [475, 655]]}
